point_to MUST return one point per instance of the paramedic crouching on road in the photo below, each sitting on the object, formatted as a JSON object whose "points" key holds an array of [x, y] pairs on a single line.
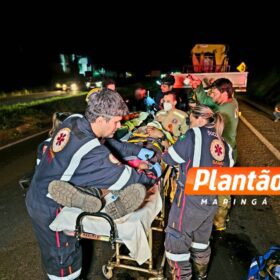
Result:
{"points": [[190, 221], [76, 155]]}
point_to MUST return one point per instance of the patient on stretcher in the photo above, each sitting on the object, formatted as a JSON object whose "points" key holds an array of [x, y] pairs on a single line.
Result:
{"points": [[91, 199], [132, 229]]}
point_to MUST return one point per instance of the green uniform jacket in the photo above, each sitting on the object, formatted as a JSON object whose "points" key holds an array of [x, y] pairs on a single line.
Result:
{"points": [[229, 112]]}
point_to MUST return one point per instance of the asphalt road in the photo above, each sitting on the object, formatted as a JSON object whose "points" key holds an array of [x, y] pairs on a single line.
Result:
{"points": [[31, 97], [251, 231]]}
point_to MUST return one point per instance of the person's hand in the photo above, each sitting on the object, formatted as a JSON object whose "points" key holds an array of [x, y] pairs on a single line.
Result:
{"points": [[154, 132], [151, 192], [166, 144], [193, 81], [145, 154], [157, 169], [150, 101], [143, 165], [208, 81], [154, 189]]}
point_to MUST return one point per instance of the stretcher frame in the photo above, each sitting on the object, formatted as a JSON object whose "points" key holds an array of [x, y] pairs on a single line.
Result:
{"points": [[117, 260]]}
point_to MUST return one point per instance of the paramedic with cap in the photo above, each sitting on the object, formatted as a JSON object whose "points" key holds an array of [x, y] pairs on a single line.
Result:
{"points": [[77, 157], [166, 86]]}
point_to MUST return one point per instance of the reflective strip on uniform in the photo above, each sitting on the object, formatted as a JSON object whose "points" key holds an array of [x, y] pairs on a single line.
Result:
{"points": [[71, 276], [174, 155], [121, 182], [76, 159], [197, 147], [74, 115], [49, 196], [231, 160], [253, 264], [161, 113], [47, 140], [199, 246], [178, 257], [179, 114]]}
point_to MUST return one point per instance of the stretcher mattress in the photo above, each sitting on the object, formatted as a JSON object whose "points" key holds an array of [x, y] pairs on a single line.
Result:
{"points": [[132, 228]]}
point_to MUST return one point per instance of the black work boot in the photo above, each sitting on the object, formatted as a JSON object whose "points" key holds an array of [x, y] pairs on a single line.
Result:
{"points": [[85, 198], [129, 199], [200, 271]]}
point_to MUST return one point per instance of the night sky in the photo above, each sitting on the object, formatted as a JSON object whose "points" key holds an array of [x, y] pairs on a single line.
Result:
{"points": [[143, 39]]}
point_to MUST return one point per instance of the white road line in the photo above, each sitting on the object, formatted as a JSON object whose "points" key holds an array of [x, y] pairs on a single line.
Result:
{"points": [[273, 150], [22, 140]]}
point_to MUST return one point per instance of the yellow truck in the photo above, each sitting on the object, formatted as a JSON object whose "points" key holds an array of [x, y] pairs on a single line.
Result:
{"points": [[210, 62]]}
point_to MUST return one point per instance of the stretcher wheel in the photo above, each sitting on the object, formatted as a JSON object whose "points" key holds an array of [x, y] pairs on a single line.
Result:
{"points": [[108, 273]]}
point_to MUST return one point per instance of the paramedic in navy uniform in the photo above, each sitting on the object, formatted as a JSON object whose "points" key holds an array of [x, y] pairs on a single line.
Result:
{"points": [[76, 156], [190, 220]]}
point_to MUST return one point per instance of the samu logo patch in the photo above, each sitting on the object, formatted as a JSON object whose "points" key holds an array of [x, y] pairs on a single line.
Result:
{"points": [[217, 150], [61, 139]]}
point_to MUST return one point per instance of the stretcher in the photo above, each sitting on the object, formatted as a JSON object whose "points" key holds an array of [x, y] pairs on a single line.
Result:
{"points": [[134, 230]]}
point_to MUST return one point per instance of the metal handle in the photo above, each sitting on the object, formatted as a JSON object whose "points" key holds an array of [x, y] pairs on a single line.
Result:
{"points": [[113, 229]]}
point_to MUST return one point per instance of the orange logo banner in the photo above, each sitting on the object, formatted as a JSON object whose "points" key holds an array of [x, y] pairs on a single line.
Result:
{"points": [[233, 181]]}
